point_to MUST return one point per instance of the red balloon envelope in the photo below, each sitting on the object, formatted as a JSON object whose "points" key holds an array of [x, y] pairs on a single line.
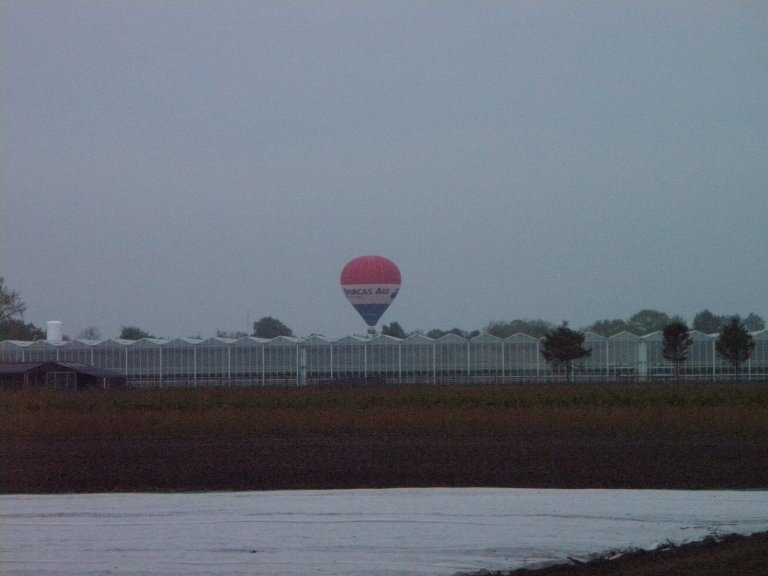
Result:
{"points": [[370, 283]]}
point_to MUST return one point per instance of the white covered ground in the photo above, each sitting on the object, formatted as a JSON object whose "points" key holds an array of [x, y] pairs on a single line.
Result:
{"points": [[430, 532]]}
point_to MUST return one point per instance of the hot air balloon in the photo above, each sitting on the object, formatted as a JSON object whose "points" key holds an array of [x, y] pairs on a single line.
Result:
{"points": [[370, 283]]}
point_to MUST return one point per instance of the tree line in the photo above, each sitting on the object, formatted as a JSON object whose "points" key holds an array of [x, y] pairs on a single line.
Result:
{"points": [[561, 345], [641, 323]]}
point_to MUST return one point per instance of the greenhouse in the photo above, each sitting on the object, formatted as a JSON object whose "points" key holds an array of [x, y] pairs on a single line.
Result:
{"points": [[417, 359]]}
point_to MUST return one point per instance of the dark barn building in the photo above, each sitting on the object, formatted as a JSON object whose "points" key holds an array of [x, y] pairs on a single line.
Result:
{"points": [[53, 374]]}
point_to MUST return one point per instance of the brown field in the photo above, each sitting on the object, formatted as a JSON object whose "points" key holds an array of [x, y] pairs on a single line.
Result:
{"points": [[587, 436], [608, 436]]}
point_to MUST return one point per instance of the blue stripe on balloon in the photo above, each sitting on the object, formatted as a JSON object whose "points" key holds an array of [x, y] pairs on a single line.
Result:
{"points": [[371, 312]]}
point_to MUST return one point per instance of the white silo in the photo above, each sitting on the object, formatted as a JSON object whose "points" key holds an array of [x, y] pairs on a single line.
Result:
{"points": [[55, 331]]}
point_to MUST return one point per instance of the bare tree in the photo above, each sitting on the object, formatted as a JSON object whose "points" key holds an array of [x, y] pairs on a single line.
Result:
{"points": [[89, 333], [11, 305]]}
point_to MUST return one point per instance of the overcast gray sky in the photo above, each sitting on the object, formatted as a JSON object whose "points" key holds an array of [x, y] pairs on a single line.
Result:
{"points": [[189, 166]]}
